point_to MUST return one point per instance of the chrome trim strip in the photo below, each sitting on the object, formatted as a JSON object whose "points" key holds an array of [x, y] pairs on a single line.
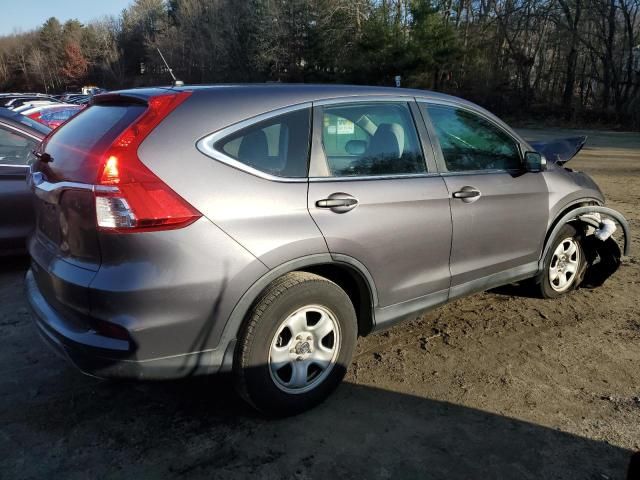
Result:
{"points": [[206, 144], [50, 192], [373, 177], [480, 172]]}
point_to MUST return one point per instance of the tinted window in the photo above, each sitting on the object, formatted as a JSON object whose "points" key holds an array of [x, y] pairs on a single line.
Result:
{"points": [[277, 146], [14, 148], [77, 146], [371, 139], [469, 142]]}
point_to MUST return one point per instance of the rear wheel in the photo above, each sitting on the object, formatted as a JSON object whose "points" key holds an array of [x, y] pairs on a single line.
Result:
{"points": [[563, 266], [296, 344]]}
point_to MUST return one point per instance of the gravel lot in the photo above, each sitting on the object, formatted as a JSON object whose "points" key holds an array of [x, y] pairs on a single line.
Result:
{"points": [[492, 386]]}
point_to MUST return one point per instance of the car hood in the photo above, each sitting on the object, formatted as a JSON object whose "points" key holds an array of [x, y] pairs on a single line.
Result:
{"points": [[560, 151]]}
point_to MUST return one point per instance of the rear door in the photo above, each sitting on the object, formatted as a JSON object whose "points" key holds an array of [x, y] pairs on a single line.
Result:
{"points": [[375, 195], [499, 210], [16, 210]]}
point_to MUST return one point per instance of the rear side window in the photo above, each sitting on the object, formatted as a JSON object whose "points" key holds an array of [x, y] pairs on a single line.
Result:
{"points": [[278, 146], [371, 139], [14, 148], [77, 147]]}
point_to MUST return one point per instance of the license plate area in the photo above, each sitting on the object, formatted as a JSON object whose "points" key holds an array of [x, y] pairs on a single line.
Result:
{"points": [[48, 222]]}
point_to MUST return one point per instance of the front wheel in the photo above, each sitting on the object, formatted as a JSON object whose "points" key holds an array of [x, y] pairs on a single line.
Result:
{"points": [[564, 264], [296, 344]]}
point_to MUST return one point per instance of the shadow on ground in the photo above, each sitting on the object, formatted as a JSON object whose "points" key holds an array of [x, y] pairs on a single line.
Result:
{"points": [[67, 426]]}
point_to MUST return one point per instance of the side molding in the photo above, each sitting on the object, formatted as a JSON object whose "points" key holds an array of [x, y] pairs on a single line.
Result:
{"points": [[386, 317]]}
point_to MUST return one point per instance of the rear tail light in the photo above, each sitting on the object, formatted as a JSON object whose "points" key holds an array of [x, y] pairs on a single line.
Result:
{"points": [[35, 116], [129, 196]]}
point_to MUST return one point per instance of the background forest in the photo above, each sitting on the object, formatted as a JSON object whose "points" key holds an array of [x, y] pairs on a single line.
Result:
{"points": [[569, 59]]}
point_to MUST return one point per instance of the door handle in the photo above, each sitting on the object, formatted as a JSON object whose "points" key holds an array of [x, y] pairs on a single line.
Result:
{"points": [[467, 194], [338, 202]]}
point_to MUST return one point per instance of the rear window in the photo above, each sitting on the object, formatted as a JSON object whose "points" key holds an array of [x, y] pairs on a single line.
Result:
{"points": [[78, 146]]}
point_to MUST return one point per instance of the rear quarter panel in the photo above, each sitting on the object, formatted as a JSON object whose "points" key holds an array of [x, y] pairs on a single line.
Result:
{"points": [[269, 218], [173, 290]]}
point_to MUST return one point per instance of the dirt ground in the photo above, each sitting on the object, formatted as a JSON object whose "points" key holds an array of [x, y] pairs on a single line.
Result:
{"points": [[495, 386]]}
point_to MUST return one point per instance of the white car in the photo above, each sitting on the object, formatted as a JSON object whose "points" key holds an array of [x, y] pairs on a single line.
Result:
{"points": [[34, 104]]}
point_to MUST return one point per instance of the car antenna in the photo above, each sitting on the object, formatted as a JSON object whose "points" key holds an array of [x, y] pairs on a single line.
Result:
{"points": [[176, 82]]}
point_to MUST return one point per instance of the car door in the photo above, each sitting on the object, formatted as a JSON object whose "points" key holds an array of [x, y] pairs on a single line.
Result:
{"points": [[499, 211], [378, 199], [16, 210]]}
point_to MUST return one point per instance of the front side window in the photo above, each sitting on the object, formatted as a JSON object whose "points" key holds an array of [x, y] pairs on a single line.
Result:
{"points": [[278, 146], [469, 142], [14, 148], [371, 139]]}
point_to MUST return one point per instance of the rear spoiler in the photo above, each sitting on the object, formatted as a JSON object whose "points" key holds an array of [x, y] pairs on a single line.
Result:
{"points": [[139, 96], [105, 98], [560, 151]]}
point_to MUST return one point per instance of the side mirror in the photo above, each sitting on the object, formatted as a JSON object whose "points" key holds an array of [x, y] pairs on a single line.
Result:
{"points": [[534, 162], [356, 147]]}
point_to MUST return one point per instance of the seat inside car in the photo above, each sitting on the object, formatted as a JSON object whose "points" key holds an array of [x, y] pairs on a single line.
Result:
{"points": [[387, 143], [385, 149], [254, 150]]}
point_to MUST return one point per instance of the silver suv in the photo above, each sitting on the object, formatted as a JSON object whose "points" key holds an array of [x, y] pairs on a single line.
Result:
{"points": [[260, 229]]}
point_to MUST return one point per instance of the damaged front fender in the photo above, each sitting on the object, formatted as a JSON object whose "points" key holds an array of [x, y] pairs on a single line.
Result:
{"points": [[602, 252]]}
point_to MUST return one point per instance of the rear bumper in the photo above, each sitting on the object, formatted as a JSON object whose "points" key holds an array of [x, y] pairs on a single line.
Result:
{"points": [[105, 357]]}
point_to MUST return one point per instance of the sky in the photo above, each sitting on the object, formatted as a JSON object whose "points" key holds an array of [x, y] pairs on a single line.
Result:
{"points": [[25, 15]]}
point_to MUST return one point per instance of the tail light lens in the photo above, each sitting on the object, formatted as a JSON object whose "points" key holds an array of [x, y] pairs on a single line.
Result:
{"points": [[129, 196]]}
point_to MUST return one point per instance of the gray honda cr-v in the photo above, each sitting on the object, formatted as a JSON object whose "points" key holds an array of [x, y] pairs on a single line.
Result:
{"points": [[260, 229]]}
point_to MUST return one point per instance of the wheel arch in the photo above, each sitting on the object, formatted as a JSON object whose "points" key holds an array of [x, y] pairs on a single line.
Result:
{"points": [[351, 275], [561, 213], [572, 212]]}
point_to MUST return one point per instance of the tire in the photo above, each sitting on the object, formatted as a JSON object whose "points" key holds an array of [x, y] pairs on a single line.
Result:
{"points": [[563, 265], [295, 345]]}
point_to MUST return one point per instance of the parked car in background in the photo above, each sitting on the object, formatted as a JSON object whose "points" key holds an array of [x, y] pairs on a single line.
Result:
{"points": [[19, 135], [53, 118], [14, 102], [78, 98], [261, 228], [33, 105], [53, 115]]}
